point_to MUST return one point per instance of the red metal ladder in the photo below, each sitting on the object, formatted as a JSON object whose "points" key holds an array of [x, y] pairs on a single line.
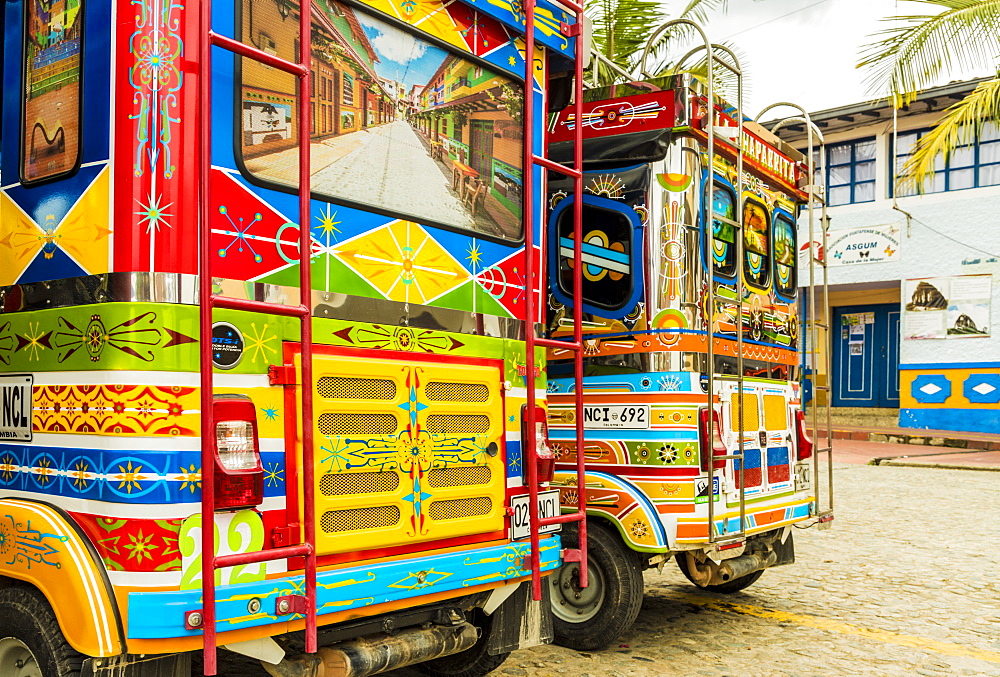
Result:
{"points": [[574, 31], [296, 604]]}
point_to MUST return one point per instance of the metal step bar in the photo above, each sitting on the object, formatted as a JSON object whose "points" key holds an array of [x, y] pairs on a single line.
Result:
{"points": [[817, 321], [297, 604], [532, 340], [708, 217]]}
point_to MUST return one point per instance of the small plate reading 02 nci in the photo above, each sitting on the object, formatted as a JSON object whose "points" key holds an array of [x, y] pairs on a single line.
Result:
{"points": [[227, 345]]}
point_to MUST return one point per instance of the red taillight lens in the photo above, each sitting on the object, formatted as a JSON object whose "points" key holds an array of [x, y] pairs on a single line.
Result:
{"points": [[803, 443], [546, 459], [718, 446], [239, 475]]}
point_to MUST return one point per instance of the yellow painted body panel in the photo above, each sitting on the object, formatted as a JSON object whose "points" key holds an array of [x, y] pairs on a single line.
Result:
{"points": [[41, 548], [406, 452]]}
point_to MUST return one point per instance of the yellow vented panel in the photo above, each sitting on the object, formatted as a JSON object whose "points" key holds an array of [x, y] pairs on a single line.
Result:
{"points": [[357, 424], [358, 483], [457, 424], [345, 388], [750, 406], [458, 508], [459, 477], [443, 391], [775, 412], [359, 519], [400, 451]]}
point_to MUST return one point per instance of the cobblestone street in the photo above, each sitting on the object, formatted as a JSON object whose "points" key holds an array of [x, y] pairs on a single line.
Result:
{"points": [[414, 183], [905, 583]]}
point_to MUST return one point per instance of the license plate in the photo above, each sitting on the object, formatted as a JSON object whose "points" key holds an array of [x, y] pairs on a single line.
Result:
{"points": [[616, 416], [803, 472], [520, 519]]}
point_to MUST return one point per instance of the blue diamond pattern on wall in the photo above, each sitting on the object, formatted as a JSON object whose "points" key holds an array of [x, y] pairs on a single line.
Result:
{"points": [[982, 388], [931, 388]]}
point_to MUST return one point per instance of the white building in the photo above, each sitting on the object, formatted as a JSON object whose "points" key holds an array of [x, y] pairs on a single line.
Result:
{"points": [[915, 279]]}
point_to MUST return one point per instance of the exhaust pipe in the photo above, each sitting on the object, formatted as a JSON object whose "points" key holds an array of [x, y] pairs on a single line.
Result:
{"points": [[378, 653], [709, 573], [738, 567]]}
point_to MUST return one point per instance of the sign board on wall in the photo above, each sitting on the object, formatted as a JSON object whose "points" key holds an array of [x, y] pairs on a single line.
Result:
{"points": [[871, 244], [947, 307]]}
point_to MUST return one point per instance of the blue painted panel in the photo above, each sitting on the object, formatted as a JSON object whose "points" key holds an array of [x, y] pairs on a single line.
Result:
{"points": [[982, 388], [663, 381], [925, 366], [962, 420], [618, 434], [751, 459], [161, 614], [777, 456], [870, 379], [931, 388]]}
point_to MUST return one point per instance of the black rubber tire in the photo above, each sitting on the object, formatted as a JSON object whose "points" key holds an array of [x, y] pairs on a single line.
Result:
{"points": [[26, 615], [621, 570], [726, 588], [473, 662]]}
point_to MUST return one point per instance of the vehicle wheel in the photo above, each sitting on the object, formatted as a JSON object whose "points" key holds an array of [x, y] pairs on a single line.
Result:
{"points": [[31, 643], [593, 617], [726, 588], [474, 661]]}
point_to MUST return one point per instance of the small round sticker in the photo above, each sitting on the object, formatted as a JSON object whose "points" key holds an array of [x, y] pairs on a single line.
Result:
{"points": [[227, 345]]}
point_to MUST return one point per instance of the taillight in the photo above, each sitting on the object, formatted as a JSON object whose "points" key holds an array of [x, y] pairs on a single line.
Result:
{"points": [[546, 459], [803, 443], [239, 475], [718, 446]]}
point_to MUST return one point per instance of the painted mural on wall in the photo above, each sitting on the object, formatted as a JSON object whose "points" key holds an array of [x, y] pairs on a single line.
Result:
{"points": [[947, 307], [398, 123]]}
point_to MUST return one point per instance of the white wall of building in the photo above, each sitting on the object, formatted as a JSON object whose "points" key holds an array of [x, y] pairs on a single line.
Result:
{"points": [[968, 232]]}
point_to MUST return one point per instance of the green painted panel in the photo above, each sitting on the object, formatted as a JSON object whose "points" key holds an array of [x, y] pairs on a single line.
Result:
{"points": [[164, 337], [461, 299]]}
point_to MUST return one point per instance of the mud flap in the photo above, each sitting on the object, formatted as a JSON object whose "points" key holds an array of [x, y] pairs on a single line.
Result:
{"points": [[785, 551], [521, 622], [129, 665]]}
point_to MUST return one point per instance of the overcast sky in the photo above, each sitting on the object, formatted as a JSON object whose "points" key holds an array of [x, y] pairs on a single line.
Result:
{"points": [[803, 51]]}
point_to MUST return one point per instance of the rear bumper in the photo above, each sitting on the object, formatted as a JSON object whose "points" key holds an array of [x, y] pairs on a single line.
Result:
{"points": [[160, 614]]}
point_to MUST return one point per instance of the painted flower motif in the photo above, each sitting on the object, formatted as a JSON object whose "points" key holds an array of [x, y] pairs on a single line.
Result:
{"points": [[140, 547], [190, 478], [274, 474], [129, 477], [670, 383], [8, 468], [44, 471], [81, 475], [667, 454]]}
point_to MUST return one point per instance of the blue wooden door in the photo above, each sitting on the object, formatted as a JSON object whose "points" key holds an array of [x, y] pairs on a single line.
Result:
{"points": [[866, 356]]}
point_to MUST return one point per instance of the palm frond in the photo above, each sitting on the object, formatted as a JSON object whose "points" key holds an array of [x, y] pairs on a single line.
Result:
{"points": [[621, 27], [960, 125], [698, 10], [723, 78], [909, 57]]}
